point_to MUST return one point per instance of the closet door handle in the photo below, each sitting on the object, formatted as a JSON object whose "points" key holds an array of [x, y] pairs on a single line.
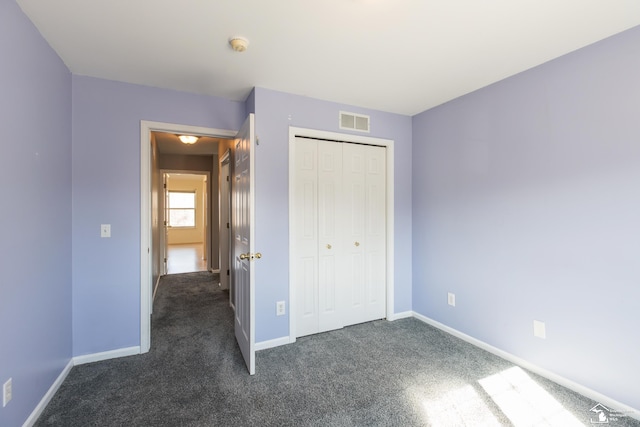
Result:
{"points": [[328, 246], [357, 243]]}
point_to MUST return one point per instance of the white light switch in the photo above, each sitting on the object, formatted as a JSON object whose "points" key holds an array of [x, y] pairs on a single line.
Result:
{"points": [[451, 299], [105, 230], [7, 393], [539, 329]]}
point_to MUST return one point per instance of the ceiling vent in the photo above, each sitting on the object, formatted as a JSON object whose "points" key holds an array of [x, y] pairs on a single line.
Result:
{"points": [[352, 121]]}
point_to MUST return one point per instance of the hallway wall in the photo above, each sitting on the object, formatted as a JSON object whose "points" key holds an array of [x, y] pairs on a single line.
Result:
{"points": [[196, 234]]}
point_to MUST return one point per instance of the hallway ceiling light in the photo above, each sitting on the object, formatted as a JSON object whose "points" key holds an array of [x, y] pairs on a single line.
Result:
{"points": [[188, 139]]}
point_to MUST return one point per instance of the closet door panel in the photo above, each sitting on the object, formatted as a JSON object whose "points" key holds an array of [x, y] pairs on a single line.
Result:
{"points": [[306, 234], [330, 261], [354, 232], [375, 233]]}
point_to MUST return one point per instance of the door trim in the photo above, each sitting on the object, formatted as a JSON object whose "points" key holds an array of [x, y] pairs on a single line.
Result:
{"points": [[146, 274], [225, 231], [353, 139], [207, 229]]}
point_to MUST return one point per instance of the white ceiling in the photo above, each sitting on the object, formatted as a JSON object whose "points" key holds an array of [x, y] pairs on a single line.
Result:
{"points": [[401, 56]]}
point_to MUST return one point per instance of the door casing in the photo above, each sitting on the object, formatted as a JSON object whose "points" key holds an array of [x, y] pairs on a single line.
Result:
{"points": [[146, 127], [225, 223], [207, 228]]}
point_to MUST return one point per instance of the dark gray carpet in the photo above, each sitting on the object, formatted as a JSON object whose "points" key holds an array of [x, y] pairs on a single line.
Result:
{"points": [[402, 373]]}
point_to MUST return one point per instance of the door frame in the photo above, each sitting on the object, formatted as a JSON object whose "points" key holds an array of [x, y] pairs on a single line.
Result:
{"points": [[353, 139], [224, 203], [164, 244], [146, 273]]}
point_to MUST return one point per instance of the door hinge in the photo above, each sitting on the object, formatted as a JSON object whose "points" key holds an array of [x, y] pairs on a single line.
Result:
{"points": [[227, 272], [165, 185], [165, 260], [227, 178], [227, 225]]}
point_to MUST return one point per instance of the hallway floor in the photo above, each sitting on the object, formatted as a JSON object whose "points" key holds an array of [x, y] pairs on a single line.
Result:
{"points": [[186, 258]]}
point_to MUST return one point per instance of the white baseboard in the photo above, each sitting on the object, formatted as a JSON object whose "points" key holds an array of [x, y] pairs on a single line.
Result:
{"points": [[111, 354], [401, 315], [571, 385], [48, 395], [263, 345]]}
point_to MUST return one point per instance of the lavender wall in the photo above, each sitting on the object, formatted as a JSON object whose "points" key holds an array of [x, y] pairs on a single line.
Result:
{"points": [[275, 112], [106, 190], [527, 206], [35, 247]]}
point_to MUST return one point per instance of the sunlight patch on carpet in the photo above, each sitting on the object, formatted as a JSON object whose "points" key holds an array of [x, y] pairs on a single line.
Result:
{"points": [[525, 402], [460, 407]]}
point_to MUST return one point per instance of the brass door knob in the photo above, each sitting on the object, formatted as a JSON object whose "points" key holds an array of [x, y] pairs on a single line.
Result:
{"points": [[249, 255], [357, 243], [328, 246]]}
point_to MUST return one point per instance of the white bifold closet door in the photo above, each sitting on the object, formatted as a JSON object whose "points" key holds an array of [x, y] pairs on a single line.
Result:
{"points": [[339, 233]]}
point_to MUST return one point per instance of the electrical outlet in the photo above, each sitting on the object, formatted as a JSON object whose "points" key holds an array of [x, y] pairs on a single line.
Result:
{"points": [[539, 329], [7, 392], [451, 299], [280, 308]]}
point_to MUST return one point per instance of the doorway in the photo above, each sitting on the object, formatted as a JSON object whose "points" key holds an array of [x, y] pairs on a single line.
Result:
{"points": [[151, 226], [186, 219]]}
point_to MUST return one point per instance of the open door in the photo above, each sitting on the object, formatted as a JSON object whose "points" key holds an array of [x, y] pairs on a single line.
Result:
{"points": [[243, 241]]}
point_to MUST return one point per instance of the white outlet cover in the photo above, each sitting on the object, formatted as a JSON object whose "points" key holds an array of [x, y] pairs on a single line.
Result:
{"points": [[280, 308], [539, 329]]}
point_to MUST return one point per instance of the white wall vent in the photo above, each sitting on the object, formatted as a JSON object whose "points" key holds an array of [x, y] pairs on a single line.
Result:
{"points": [[353, 121]]}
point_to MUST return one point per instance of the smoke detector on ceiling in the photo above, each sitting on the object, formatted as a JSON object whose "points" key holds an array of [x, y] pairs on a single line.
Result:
{"points": [[239, 44]]}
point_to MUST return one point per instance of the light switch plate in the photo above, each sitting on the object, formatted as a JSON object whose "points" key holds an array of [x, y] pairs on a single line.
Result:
{"points": [[7, 392], [105, 230], [451, 299], [539, 329]]}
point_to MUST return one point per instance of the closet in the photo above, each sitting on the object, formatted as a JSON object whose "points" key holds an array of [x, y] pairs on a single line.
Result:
{"points": [[339, 271]]}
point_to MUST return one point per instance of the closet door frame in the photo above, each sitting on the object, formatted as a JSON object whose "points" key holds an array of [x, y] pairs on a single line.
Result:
{"points": [[354, 139]]}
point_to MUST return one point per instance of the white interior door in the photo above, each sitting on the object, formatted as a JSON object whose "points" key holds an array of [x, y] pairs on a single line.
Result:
{"points": [[339, 228], [305, 226], [243, 242], [375, 234], [354, 231], [330, 248]]}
